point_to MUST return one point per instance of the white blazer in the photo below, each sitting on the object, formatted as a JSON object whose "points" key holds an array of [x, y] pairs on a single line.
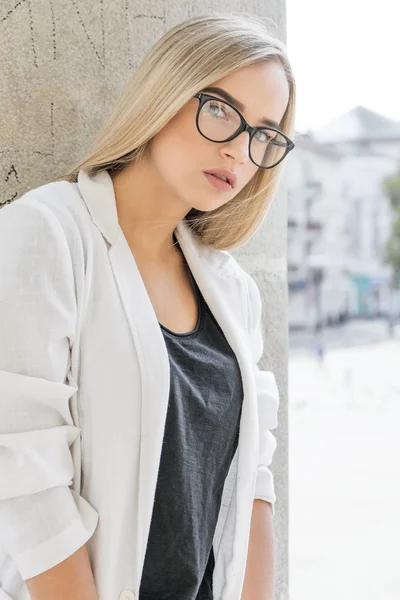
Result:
{"points": [[84, 388]]}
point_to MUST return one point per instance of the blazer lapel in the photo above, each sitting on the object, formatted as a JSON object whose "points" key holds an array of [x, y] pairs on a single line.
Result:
{"points": [[217, 289], [98, 193], [220, 292]]}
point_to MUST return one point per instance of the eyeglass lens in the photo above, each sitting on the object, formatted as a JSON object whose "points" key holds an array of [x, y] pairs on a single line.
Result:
{"points": [[218, 121]]}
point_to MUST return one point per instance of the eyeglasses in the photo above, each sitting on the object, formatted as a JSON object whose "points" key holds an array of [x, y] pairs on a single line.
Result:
{"points": [[219, 121]]}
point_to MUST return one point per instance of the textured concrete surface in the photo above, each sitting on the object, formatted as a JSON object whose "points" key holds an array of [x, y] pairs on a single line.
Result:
{"points": [[63, 65]]}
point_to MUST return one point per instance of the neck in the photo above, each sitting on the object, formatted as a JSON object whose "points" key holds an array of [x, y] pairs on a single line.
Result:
{"points": [[147, 214]]}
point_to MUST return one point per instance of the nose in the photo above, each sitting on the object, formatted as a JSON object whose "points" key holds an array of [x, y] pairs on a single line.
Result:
{"points": [[238, 148]]}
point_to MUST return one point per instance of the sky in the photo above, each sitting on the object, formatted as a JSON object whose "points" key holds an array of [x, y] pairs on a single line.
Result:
{"points": [[344, 54]]}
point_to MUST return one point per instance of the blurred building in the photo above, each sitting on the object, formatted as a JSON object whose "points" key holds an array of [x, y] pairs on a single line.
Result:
{"points": [[339, 219]]}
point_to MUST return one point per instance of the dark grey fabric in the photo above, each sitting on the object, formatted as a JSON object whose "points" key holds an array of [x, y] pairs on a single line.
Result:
{"points": [[200, 439]]}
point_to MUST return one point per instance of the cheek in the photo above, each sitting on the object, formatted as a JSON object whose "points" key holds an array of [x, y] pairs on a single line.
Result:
{"points": [[175, 148]]}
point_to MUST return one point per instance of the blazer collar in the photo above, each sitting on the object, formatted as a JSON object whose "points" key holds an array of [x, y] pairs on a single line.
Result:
{"points": [[98, 193]]}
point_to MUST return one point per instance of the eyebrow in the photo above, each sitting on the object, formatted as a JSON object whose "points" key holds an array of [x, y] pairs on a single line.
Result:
{"points": [[227, 96]]}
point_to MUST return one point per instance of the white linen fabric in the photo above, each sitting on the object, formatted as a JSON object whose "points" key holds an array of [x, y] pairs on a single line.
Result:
{"points": [[84, 386]]}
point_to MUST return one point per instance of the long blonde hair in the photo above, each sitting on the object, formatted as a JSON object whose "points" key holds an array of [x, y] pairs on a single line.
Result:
{"points": [[189, 57]]}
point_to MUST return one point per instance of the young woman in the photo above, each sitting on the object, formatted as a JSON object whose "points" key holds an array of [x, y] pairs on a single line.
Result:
{"points": [[135, 438]]}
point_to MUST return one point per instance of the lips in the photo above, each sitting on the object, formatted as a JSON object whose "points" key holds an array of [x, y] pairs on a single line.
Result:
{"points": [[217, 182], [220, 177], [231, 177]]}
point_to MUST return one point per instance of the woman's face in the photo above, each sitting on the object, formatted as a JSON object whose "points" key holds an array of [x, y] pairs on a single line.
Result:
{"points": [[180, 154]]}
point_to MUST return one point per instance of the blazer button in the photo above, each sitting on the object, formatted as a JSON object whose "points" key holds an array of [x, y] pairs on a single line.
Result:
{"points": [[127, 595]]}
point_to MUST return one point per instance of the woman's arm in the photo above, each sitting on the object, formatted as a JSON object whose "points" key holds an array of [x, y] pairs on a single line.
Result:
{"points": [[72, 579], [43, 521], [259, 581]]}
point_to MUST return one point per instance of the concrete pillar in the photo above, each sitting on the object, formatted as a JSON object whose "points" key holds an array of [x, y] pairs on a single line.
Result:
{"points": [[63, 64]]}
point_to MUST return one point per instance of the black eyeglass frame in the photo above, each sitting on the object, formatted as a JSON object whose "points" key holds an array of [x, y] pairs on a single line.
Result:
{"points": [[244, 126]]}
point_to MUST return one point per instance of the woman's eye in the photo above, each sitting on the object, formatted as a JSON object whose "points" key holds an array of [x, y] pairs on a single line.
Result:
{"points": [[263, 137], [215, 108]]}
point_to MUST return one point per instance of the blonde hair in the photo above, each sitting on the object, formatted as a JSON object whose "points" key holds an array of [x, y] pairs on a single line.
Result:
{"points": [[189, 57]]}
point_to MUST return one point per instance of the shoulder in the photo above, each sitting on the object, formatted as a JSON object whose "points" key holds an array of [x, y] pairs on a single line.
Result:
{"points": [[53, 210], [225, 263]]}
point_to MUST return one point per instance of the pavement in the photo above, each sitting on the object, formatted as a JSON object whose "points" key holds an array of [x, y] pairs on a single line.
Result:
{"points": [[344, 465]]}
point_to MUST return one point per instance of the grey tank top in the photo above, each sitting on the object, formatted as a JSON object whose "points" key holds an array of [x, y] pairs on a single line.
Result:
{"points": [[200, 439]]}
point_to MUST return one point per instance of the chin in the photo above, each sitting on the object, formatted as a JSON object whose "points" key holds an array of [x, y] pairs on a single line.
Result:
{"points": [[209, 204]]}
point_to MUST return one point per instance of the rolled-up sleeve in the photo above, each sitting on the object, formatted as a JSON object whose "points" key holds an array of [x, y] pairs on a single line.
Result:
{"points": [[42, 520], [267, 399]]}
